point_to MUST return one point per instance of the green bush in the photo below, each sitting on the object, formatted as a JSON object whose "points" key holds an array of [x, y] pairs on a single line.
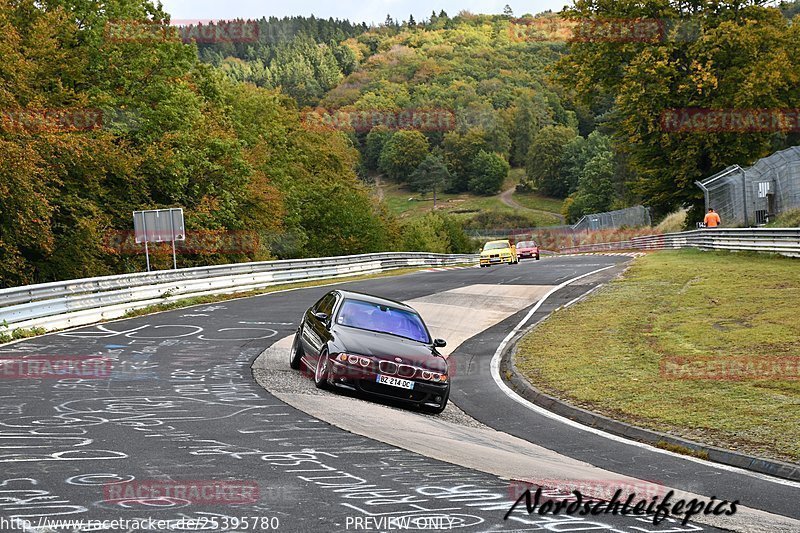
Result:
{"points": [[436, 233], [489, 170]]}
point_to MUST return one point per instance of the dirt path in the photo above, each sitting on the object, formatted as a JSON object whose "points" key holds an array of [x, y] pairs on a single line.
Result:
{"points": [[379, 187], [507, 197]]}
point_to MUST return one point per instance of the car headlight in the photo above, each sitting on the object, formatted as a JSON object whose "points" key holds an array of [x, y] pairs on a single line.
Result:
{"points": [[355, 360], [434, 376]]}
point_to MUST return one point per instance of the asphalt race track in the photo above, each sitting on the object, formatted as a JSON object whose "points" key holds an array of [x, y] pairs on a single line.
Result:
{"points": [[180, 404]]}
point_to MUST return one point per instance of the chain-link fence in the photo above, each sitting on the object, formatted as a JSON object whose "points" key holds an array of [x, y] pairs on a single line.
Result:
{"points": [[754, 195], [631, 217]]}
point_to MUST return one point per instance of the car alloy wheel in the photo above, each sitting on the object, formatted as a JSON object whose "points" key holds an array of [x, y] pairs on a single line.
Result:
{"points": [[321, 373]]}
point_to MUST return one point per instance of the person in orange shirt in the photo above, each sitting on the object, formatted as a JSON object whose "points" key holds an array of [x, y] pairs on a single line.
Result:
{"points": [[712, 219]]}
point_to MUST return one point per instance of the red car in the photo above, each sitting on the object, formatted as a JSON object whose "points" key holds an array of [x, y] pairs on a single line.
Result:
{"points": [[528, 249]]}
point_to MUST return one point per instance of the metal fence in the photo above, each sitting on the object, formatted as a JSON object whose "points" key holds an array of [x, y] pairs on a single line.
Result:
{"points": [[783, 241], [755, 195], [631, 217], [80, 302]]}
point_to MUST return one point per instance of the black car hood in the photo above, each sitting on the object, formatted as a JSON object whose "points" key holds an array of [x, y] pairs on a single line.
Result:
{"points": [[389, 347]]}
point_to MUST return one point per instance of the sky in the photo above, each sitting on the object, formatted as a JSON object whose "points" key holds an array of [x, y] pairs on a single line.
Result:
{"points": [[369, 11]]}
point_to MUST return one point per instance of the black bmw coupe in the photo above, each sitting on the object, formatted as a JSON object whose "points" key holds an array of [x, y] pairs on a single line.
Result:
{"points": [[372, 345]]}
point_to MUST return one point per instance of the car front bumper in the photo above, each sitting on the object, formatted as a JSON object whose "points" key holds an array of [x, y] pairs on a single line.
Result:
{"points": [[496, 260], [365, 381]]}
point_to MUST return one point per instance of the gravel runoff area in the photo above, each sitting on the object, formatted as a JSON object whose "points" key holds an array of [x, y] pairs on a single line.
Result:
{"points": [[276, 377]]}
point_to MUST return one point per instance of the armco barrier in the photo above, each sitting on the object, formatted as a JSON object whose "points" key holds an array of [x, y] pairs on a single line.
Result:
{"points": [[80, 302], [784, 241]]}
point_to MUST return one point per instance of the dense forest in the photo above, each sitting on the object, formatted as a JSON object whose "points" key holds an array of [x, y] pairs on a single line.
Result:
{"points": [[279, 136], [170, 131], [304, 56], [488, 90], [576, 98]]}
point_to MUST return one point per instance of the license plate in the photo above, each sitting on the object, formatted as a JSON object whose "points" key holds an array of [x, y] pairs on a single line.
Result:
{"points": [[395, 382]]}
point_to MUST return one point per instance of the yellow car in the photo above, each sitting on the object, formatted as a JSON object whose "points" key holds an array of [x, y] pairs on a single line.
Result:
{"points": [[498, 252]]}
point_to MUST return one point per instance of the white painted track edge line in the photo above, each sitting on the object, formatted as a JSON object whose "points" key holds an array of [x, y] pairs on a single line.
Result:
{"points": [[495, 371]]}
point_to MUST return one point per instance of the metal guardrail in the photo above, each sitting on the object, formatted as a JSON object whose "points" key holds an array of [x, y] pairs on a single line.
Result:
{"points": [[784, 241], [65, 304]]}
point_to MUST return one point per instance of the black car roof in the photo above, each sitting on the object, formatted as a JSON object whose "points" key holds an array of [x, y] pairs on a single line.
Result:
{"points": [[374, 299]]}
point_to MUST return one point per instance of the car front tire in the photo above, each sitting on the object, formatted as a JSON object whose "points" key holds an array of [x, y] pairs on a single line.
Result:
{"points": [[296, 353], [322, 371]]}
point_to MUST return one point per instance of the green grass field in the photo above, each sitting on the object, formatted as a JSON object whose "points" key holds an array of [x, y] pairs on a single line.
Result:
{"points": [[542, 203], [606, 353], [466, 206]]}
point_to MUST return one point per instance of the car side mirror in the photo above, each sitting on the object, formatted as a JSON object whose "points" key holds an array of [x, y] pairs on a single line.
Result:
{"points": [[439, 343], [322, 317]]}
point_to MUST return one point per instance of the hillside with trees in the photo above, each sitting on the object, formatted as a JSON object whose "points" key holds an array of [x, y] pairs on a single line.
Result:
{"points": [[164, 130], [492, 87], [729, 55], [278, 138], [485, 88], [303, 56], [577, 99]]}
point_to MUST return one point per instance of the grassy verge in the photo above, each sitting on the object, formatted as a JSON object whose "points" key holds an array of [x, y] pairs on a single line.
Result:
{"points": [[787, 219], [408, 205], [673, 222], [532, 200], [539, 202], [607, 353], [19, 333]]}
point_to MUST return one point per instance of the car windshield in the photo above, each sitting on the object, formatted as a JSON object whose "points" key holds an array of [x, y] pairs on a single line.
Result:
{"points": [[383, 319], [527, 244], [495, 245]]}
